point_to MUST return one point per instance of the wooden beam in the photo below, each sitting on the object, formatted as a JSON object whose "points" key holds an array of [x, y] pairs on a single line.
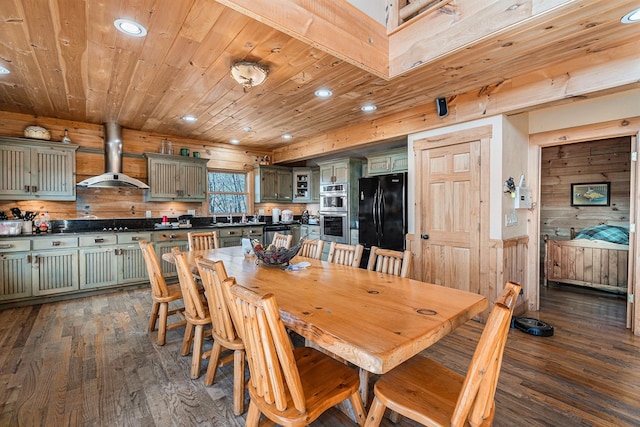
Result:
{"points": [[337, 28], [611, 71], [459, 26]]}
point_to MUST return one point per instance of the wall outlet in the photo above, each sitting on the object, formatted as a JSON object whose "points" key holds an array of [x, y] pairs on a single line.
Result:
{"points": [[191, 212], [260, 211], [147, 214]]}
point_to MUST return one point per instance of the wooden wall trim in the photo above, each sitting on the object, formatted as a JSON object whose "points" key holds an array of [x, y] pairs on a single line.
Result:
{"points": [[452, 138], [610, 129], [601, 73]]}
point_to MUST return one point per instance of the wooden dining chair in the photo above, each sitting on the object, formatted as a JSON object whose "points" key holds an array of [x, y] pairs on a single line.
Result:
{"points": [[282, 240], [161, 295], [203, 240], [223, 330], [311, 248], [397, 263], [290, 387], [196, 314], [427, 392], [340, 253]]}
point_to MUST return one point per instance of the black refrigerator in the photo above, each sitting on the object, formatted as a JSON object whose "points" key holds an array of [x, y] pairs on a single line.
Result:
{"points": [[382, 212]]}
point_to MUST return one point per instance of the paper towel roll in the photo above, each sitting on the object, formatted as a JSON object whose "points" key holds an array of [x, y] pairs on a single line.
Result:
{"points": [[275, 215]]}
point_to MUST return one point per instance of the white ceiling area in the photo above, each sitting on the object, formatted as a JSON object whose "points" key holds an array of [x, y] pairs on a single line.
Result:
{"points": [[373, 8]]}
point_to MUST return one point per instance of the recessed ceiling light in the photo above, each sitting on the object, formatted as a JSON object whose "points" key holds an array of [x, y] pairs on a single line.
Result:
{"points": [[234, 141], [367, 108], [247, 128], [287, 136], [4, 70], [323, 93], [189, 118], [631, 17], [129, 27]]}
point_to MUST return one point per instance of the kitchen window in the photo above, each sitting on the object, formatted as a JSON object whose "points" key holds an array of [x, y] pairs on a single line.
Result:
{"points": [[227, 192]]}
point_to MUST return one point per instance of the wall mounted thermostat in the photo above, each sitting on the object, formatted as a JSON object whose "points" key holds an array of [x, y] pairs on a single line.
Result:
{"points": [[522, 199]]}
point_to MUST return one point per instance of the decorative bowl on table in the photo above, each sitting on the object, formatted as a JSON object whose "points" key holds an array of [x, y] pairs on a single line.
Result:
{"points": [[274, 256]]}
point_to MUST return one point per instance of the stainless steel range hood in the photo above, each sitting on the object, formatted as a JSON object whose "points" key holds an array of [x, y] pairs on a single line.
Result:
{"points": [[113, 176]]}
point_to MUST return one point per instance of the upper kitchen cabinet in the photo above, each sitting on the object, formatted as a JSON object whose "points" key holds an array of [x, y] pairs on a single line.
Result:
{"points": [[340, 171], [306, 187], [391, 161], [273, 184], [37, 170], [176, 178]]}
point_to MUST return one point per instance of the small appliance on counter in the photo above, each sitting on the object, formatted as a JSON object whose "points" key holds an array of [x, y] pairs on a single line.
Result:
{"points": [[287, 216], [184, 221]]}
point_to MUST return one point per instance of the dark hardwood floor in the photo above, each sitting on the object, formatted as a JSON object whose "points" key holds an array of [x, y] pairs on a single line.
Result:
{"points": [[90, 362]]}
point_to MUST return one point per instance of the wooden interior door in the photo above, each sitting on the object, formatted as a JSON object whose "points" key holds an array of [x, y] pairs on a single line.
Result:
{"points": [[449, 210]]}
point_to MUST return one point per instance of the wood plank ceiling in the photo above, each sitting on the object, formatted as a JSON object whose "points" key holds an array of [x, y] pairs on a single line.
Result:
{"points": [[68, 61]]}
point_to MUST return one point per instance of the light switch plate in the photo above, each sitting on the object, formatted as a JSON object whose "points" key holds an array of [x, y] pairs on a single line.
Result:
{"points": [[147, 214]]}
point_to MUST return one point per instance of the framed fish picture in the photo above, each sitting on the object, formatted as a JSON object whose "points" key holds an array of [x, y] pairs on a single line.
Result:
{"points": [[591, 194]]}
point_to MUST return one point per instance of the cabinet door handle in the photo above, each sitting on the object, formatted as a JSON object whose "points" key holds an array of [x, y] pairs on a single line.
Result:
{"points": [[34, 188], [35, 260], [118, 251], [172, 236], [27, 189], [98, 240], [56, 243], [29, 257], [135, 238], [6, 246]]}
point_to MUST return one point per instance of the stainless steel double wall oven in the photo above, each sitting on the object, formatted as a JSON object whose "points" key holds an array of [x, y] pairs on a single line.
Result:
{"points": [[334, 213]]}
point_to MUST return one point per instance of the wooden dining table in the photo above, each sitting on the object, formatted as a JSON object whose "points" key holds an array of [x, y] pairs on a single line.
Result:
{"points": [[374, 320]]}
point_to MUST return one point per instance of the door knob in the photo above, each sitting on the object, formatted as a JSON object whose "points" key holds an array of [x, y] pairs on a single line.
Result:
{"points": [[424, 236]]}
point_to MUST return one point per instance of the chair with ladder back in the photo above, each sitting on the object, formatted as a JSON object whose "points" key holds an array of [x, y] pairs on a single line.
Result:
{"points": [[161, 295], [431, 394], [290, 387]]}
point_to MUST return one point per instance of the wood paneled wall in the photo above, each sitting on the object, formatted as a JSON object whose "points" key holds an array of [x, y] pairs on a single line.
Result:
{"points": [[606, 160], [118, 202]]}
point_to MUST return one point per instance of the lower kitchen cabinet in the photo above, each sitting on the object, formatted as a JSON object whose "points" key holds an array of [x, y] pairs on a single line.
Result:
{"points": [[230, 236], [131, 266], [15, 269], [97, 261], [54, 265], [310, 231], [111, 259], [164, 241]]}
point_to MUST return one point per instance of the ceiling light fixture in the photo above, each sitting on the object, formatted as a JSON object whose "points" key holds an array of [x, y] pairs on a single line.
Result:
{"points": [[4, 70], [287, 136], [323, 93], [189, 118], [249, 74], [247, 128], [130, 28], [631, 17], [368, 108]]}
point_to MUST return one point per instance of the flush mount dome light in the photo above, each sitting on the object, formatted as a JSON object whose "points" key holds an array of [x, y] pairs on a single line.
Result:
{"points": [[249, 74], [130, 28], [631, 17], [368, 108], [323, 93]]}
